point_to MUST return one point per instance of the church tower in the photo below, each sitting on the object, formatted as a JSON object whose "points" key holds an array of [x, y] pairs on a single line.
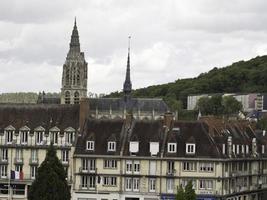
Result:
{"points": [[74, 76], [127, 85]]}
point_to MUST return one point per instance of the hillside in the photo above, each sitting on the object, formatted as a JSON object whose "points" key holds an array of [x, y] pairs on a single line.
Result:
{"points": [[242, 76]]}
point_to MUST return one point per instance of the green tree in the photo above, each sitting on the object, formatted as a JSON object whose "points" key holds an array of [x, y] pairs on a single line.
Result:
{"points": [[231, 105], [50, 182], [189, 192], [180, 193], [203, 105]]}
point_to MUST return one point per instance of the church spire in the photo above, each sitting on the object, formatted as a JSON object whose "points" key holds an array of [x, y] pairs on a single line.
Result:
{"points": [[127, 86], [74, 42]]}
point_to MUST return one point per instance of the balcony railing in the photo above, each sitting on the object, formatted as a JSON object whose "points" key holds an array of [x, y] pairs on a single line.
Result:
{"points": [[87, 187], [3, 160], [33, 161], [18, 160], [88, 171], [171, 172]]}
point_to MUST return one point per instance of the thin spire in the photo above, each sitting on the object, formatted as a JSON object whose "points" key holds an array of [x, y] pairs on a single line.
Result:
{"points": [[74, 42], [127, 86]]}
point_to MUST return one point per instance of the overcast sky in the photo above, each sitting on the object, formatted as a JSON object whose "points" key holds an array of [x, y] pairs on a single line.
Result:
{"points": [[171, 39]]}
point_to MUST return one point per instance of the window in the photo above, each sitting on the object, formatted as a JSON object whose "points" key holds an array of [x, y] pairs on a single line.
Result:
{"points": [[206, 184], [76, 98], [24, 137], [262, 149], [247, 149], [186, 181], [18, 168], [170, 185], [111, 146], [152, 185], [3, 171], [134, 147], [110, 181], [54, 137], [171, 147], [189, 166], [111, 164], [129, 164], [190, 148], [88, 182], [18, 157], [88, 164], [33, 172], [92, 182], [154, 148], [69, 137], [65, 156], [136, 164], [128, 185], [67, 97], [206, 167], [90, 145], [39, 137], [136, 184], [34, 155], [152, 167], [9, 137], [4, 154], [170, 167], [84, 181]]}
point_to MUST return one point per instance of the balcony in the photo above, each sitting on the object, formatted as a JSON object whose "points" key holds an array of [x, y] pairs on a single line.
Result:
{"points": [[64, 162], [88, 171], [18, 160], [171, 172], [3, 160], [87, 187], [33, 161]]}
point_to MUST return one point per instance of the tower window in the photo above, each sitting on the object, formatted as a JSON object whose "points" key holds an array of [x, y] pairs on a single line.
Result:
{"points": [[67, 97], [76, 98]]}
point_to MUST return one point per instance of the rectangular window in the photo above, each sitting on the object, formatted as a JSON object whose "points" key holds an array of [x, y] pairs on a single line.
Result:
{"points": [[65, 156], [90, 145], [39, 138], [111, 164], [186, 181], [111, 146], [24, 137], [33, 172], [136, 166], [134, 147], [88, 164], [154, 148], [128, 185], [34, 155], [189, 166], [54, 137], [84, 180], [18, 168], [152, 185], [3, 171], [4, 154], [110, 181], [69, 137], [9, 137], [170, 185], [92, 182], [136, 182], [170, 167], [129, 164], [190, 148], [206, 184], [18, 157], [171, 147], [206, 167]]}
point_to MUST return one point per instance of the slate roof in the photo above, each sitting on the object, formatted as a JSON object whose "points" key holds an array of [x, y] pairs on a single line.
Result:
{"points": [[34, 115], [135, 104]]}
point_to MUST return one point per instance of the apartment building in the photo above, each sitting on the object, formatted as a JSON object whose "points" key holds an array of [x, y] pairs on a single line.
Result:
{"points": [[25, 134]]}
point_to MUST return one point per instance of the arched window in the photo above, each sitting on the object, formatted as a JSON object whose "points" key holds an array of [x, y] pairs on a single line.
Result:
{"points": [[76, 98], [67, 77], [67, 97]]}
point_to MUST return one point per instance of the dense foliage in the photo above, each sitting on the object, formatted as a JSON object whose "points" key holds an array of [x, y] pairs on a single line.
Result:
{"points": [[242, 76], [186, 194], [50, 183]]}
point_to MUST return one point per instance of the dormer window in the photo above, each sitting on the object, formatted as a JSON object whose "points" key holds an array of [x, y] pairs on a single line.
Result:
{"points": [[190, 148], [90, 145], [154, 148], [24, 137], [171, 147], [111, 146], [134, 147], [9, 136], [39, 137], [54, 137]]}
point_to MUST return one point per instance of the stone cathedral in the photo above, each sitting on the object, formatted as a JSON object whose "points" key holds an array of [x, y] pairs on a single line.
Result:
{"points": [[74, 76]]}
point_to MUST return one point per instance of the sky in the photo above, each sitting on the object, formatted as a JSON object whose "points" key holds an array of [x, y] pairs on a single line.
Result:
{"points": [[170, 40]]}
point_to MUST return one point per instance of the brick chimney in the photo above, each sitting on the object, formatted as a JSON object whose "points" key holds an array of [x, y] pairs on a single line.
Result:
{"points": [[84, 112]]}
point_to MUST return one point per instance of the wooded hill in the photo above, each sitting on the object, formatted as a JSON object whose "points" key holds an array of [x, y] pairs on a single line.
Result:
{"points": [[242, 76]]}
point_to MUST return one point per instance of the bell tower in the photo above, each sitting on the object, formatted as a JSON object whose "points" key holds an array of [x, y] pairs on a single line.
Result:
{"points": [[74, 76]]}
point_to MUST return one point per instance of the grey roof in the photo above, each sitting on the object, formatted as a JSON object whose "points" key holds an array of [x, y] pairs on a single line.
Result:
{"points": [[135, 104]]}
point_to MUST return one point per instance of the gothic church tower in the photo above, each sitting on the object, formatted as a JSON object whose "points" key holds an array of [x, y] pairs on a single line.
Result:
{"points": [[74, 76]]}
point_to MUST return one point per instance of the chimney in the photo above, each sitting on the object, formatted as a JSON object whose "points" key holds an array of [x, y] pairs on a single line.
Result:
{"points": [[84, 112]]}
